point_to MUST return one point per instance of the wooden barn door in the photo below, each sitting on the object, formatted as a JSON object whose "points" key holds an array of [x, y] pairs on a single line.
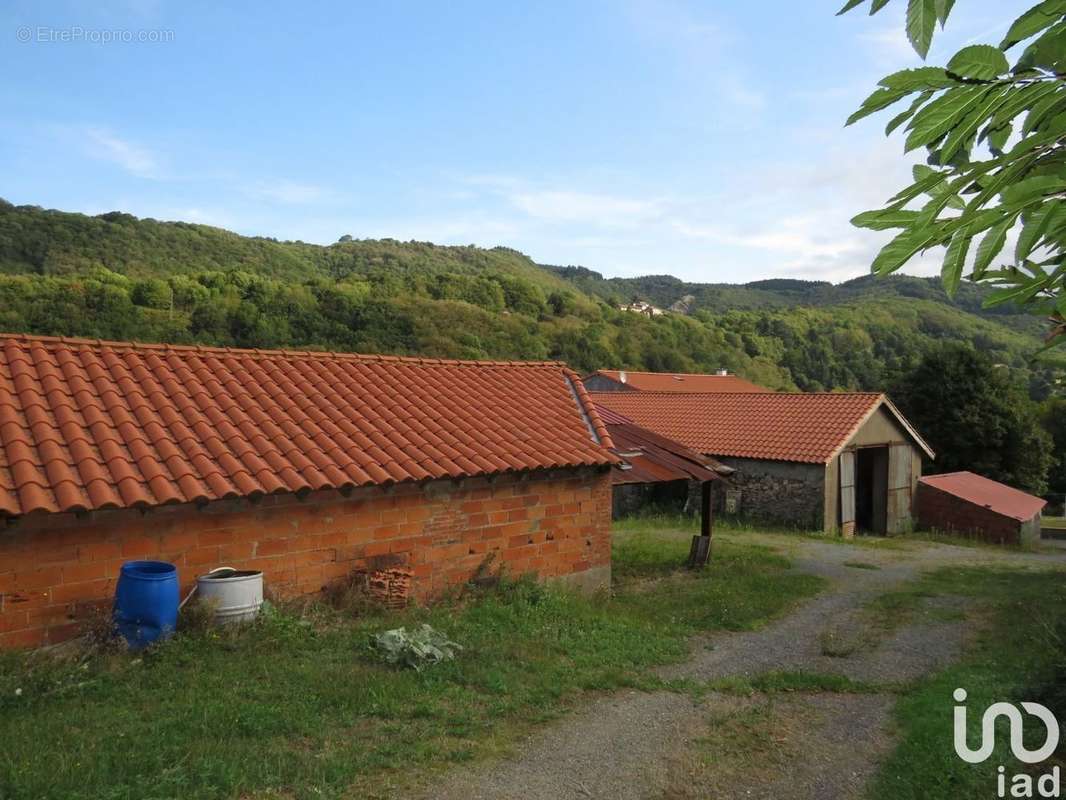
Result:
{"points": [[847, 493], [899, 488]]}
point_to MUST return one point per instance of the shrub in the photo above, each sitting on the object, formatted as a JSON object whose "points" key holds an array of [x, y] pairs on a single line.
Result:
{"points": [[418, 649]]}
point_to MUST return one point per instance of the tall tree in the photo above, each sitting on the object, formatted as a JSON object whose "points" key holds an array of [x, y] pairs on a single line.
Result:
{"points": [[1053, 418], [996, 138], [975, 418]]}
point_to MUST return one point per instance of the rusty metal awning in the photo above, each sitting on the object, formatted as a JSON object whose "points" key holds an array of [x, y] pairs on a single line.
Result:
{"points": [[651, 458]]}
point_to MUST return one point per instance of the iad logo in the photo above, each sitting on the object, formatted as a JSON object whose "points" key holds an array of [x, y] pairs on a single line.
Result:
{"points": [[1023, 785]]}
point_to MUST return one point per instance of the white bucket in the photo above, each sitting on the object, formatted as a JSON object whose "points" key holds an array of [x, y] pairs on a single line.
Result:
{"points": [[236, 594]]}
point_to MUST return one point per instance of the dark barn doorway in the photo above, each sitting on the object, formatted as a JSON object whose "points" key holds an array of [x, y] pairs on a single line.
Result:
{"points": [[871, 490]]}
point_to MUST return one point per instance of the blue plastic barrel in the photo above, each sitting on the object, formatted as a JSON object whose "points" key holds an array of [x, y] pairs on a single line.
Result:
{"points": [[146, 602]]}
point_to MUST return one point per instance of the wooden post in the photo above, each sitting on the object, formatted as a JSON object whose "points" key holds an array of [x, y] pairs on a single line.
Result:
{"points": [[700, 551], [706, 511]]}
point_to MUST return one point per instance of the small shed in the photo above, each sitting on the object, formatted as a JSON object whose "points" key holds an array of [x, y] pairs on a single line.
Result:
{"points": [[972, 505], [832, 461]]}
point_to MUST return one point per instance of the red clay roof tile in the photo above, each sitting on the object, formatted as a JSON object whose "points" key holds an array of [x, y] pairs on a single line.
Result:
{"points": [[774, 426], [87, 425], [680, 381]]}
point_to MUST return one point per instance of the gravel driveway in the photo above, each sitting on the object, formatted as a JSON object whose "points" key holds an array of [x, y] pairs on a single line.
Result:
{"points": [[634, 745]]}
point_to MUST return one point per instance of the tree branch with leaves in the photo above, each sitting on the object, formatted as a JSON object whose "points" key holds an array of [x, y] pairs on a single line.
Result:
{"points": [[996, 140]]}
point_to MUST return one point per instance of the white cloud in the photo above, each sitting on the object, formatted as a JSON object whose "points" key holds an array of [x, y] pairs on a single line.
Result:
{"points": [[290, 192], [583, 207], [135, 159]]}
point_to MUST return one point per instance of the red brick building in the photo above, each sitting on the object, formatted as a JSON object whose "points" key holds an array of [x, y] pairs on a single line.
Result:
{"points": [[971, 505], [308, 466]]}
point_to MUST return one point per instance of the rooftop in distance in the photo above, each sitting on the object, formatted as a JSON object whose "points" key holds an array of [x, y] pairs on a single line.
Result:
{"points": [[720, 381]]}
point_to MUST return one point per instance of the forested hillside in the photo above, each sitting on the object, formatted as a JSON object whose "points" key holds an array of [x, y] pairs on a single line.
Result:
{"points": [[119, 277]]}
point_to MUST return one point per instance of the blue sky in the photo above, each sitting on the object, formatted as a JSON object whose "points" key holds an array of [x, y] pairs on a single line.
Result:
{"points": [[703, 140]]}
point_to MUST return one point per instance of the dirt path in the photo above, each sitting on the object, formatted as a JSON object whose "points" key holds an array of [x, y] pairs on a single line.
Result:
{"points": [[670, 746]]}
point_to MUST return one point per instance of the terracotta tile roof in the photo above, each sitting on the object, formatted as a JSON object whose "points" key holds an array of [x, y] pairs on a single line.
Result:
{"points": [[89, 425], [987, 493], [680, 381], [774, 426]]}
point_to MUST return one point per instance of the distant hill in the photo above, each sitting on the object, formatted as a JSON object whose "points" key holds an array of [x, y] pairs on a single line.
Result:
{"points": [[666, 291], [116, 276]]}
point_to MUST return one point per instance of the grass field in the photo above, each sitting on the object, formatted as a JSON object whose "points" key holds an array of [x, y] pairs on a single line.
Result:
{"points": [[1018, 655], [300, 706]]}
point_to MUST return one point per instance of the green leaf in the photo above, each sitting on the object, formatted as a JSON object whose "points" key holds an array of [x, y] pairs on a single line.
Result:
{"points": [[1040, 16], [1032, 188], [924, 180], [881, 98], [919, 78], [883, 219], [994, 183], [850, 5], [1019, 100], [902, 248], [941, 115], [877, 5], [1034, 227], [902, 117], [954, 261], [940, 198], [963, 133], [921, 22], [1047, 51], [1019, 293], [943, 8], [979, 62], [997, 139], [992, 245], [1046, 106]]}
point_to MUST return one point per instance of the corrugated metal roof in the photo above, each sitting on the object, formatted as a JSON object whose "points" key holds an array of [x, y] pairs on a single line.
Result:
{"points": [[987, 493], [88, 424], [650, 458]]}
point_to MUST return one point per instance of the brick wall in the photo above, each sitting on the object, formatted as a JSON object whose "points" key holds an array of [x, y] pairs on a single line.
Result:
{"points": [[941, 511], [55, 570]]}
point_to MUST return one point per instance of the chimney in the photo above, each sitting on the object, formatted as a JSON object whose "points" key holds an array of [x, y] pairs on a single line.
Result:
{"points": [[622, 375], [722, 372]]}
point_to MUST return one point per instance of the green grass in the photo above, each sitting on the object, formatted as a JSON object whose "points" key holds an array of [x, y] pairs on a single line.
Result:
{"points": [[1055, 523], [299, 706], [1018, 655], [788, 682]]}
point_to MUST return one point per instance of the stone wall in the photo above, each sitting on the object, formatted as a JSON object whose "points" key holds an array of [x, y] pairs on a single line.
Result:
{"points": [[778, 493], [601, 383], [668, 496], [58, 569]]}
